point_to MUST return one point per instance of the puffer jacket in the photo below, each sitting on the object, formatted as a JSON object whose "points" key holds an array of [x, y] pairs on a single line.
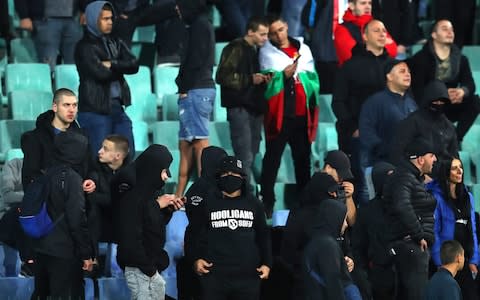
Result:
{"points": [[408, 206]]}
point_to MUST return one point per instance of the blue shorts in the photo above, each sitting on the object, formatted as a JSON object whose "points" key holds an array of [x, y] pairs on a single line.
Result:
{"points": [[194, 114]]}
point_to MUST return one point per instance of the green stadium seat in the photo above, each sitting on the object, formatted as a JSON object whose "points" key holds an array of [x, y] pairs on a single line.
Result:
{"points": [[218, 51], [164, 81], [140, 135], [175, 166], [27, 105], [23, 50], [166, 133], [467, 168], [286, 196], [219, 135], [28, 76], [326, 112], [326, 140], [10, 133], [144, 34], [170, 107], [219, 112], [473, 55], [13, 153], [476, 195], [144, 102], [66, 76], [286, 172]]}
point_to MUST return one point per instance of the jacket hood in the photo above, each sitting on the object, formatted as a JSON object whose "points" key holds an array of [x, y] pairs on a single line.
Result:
{"points": [[318, 188], [149, 165], [330, 216], [211, 158], [92, 13], [360, 21], [434, 90], [380, 173], [44, 120], [70, 148]]}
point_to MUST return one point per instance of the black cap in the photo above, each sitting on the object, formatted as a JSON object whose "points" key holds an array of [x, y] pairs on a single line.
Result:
{"points": [[419, 147], [231, 164], [390, 64], [339, 161]]}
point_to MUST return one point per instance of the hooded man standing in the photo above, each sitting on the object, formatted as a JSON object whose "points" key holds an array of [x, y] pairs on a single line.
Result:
{"points": [[101, 61]]}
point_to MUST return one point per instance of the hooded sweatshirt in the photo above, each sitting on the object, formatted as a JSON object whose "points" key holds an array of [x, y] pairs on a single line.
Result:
{"points": [[326, 278], [138, 219], [427, 123]]}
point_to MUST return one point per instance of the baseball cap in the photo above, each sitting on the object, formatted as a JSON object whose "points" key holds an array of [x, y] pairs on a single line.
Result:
{"points": [[231, 164], [419, 147], [390, 64], [338, 160]]}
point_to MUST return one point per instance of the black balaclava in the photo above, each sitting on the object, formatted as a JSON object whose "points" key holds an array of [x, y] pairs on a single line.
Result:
{"points": [[231, 183], [210, 159], [148, 168], [380, 173], [436, 90], [330, 216], [319, 188]]}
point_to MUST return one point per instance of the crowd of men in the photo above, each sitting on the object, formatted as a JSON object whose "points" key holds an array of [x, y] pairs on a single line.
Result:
{"points": [[375, 222]]}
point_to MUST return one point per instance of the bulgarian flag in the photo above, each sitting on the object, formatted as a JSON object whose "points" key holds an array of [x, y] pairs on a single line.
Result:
{"points": [[273, 61]]}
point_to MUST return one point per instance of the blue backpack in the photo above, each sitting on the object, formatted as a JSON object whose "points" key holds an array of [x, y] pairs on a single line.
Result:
{"points": [[33, 214]]}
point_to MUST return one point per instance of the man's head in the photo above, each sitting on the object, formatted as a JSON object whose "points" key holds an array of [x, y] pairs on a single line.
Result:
{"points": [[435, 97], [442, 32], [360, 7], [398, 76], [278, 31], [337, 165], [375, 35], [257, 31], [114, 151], [231, 176], [452, 253], [65, 107], [99, 16], [421, 153]]}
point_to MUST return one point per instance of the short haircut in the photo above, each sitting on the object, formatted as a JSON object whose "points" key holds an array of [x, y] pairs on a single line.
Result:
{"points": [[107, 6], [435, 24], [57, 96], [274, 18], [365, 29], [449, 251], [121, 143], [255, 22]]}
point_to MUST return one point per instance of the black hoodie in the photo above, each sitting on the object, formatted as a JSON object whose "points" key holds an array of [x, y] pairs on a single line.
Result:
{"points": [[427, 124], [139, 223], [322, 259], [70, 237]]}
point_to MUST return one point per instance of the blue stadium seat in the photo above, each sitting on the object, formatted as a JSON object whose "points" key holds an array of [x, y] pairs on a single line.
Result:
{"points": [[113, 289], [170, 107], [143, 109], [89, 289], [280, 217], [325, 140], [35, 77], [66, 76], [17, 288], [28, 104], [23, 50], [164, 81], [140, 135], [326, 112], [219, 135], [166, 133]]}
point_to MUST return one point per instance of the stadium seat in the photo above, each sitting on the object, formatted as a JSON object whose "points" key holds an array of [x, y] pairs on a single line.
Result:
{"points": [[326, 140], [144, 34], [66, 76], [286, 172], [415, 48], [140, 135], [140, 83], [23, 50], [218, 51], [164, 81], [219, 135], [18, 288], [13, 153], [10, 133], [166, 133], [467, 168], [219, 112], [143, 109], [113, 289], [476, 195], [472, 53], [89, 289], [34, 77], [28, 104], [286, 196], [280, 217], [170, 107], [174, 167], [326, 112]]}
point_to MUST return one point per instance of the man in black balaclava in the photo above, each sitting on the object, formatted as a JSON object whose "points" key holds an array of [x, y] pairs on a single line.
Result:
{"points": [[429, 123], [368, 239], [232, 253], [140, 218]]}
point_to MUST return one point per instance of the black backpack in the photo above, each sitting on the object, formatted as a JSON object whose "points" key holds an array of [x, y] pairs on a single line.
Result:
{"points": [[33, 214]]}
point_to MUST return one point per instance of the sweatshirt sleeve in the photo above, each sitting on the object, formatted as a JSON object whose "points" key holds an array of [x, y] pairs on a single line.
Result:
{"points": [[262, 236]]}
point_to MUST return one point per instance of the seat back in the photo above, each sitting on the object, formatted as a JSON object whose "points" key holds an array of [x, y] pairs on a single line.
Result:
{"points": [[27, 105], [66, 76], [28, 76]]}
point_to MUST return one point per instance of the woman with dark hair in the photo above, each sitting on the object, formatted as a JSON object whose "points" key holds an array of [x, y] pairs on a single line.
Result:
{"points": [[455, 219]]}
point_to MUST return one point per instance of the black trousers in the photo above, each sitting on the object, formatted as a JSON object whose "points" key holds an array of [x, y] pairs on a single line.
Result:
{"points": [[464, 113], [230, 287], [411, 266], [467, 284], [58, 278], [294, 132]]}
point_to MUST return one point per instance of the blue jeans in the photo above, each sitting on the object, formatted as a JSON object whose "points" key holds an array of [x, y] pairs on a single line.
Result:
{"points": [[54, 35], [144, 287], [292, 12], [194, 113], [245, 133], [99, 126], [236, 14], [10, 266]]}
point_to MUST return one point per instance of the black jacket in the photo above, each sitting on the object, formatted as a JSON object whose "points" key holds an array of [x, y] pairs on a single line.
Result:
{"points": [[70, 237], [408, 206], [238, 63], [95, 79], [37, 147], [360, 77], [428, 125], [34, 9], [139, 223], [324, 269], [196, 68], [423, 66]]}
